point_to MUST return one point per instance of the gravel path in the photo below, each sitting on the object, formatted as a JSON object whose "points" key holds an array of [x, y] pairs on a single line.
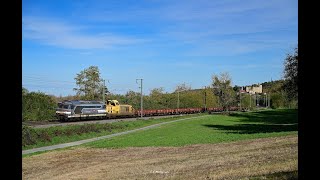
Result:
{"points": [[58, 146]]}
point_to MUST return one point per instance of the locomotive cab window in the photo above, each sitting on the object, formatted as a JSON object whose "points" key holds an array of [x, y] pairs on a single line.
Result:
{"points": [[66, 107]]}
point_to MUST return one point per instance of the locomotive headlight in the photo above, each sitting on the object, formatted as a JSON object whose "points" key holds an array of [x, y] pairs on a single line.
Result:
{"points": [[63, 112], [102, 111]]}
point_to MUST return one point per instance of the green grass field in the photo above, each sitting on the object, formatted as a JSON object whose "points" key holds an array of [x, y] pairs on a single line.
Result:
{"points": [[64, 134], [211, 129]]}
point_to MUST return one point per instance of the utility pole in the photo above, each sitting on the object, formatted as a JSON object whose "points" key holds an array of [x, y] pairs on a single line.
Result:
{"points": [[141, 107], [205, 98], [178, 100], [104, 90]]}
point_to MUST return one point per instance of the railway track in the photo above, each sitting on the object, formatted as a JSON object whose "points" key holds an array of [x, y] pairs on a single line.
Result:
{"points": [[46, 124]]}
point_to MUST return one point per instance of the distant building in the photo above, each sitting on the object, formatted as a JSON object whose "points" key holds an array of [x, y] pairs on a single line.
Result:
{"points": [[254, 89]]}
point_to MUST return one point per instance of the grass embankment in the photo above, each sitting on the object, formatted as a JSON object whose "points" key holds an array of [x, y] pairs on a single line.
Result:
{"points": [[40, 137], [210, 129]]}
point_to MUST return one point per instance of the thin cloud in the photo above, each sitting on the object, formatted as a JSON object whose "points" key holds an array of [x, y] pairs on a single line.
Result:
{"points": [[192, 22], [228, 48], [230, 24], [61, 34]]}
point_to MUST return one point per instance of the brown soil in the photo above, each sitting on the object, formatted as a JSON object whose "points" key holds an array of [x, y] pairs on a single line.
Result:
{"points": [[234, 160]]}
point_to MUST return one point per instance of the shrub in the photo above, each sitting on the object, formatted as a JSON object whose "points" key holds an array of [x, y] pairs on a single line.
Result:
{"points": [[29, 136], [37, 106]]}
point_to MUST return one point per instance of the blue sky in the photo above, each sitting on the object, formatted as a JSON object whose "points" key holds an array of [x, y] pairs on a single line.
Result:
{"points": [[165, 42]]}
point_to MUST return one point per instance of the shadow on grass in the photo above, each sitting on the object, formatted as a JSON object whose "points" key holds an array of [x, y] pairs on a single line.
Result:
{"points": [[282, 116], [262, 122], [255, 128]]}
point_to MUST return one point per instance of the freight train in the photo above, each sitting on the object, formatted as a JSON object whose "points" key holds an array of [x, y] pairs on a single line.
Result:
{"points": [[78, 110]]}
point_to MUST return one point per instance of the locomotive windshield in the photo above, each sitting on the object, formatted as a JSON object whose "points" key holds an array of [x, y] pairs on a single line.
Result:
{"points": [[66, 107]]}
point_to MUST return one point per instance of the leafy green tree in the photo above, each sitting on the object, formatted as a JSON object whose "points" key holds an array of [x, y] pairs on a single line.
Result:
{"points": [[236, 88], [24, 91], [90, 84], [278, 100], [291, 75], [37, 106], [192, 99], [211, 99], [223, 89], [245, 100], [156, 98], [133, 98], [171, 100], [182, 89], [272, 86]]}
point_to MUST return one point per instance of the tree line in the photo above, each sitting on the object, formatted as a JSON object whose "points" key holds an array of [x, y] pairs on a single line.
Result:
{"points": [[220, 93]]}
